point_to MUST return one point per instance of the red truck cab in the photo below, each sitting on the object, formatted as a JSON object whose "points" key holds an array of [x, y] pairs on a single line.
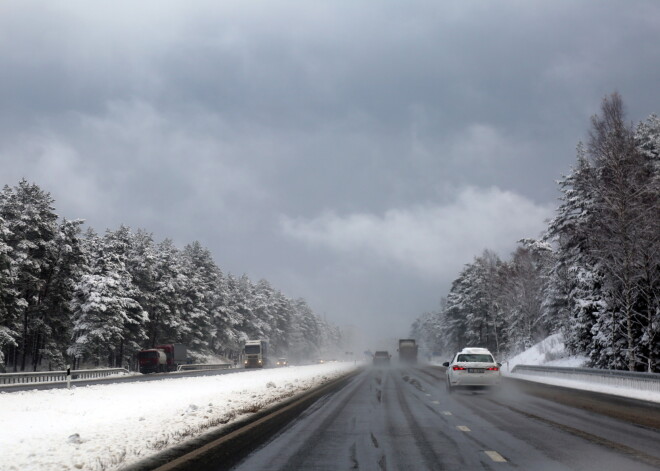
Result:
{"points": [[152, 360]]}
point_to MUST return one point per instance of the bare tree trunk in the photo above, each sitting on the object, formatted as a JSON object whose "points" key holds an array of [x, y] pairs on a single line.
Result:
{"points": [[15, 358], [24, 339]]}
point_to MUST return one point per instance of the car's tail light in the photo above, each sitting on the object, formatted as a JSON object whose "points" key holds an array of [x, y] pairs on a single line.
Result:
{"points": [[456, 368], [493, 368]]}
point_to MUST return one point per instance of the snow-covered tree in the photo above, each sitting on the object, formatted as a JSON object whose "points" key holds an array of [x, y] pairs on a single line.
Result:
{"points": [[30, 229], [108, 321]]}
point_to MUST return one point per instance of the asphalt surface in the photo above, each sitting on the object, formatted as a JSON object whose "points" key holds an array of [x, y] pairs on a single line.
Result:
{"points": [[403, 419]]}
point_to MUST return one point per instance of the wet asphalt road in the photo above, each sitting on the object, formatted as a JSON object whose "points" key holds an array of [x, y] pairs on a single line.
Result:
{"points": [[403, 419]]}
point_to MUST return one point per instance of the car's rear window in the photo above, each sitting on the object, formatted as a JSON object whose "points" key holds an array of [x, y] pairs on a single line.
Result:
{"points": [[475, 357]]}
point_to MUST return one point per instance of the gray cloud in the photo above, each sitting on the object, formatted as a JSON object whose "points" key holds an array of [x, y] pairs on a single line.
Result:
{"points": [[430, 240], [318, 144]]}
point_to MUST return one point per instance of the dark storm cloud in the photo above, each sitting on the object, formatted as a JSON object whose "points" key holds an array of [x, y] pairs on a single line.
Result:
{"points": [[353, 153]]}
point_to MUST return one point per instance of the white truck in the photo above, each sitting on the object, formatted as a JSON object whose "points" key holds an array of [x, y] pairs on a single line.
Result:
{"points": [[255, 353]]}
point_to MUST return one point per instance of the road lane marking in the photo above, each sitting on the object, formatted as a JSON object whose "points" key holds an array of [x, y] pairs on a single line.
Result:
{"points": [[446, 412], [641, 456], [435, 402], [463, 428], [495, 456]]}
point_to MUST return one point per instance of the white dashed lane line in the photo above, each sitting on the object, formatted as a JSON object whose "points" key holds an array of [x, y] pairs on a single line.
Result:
{"points": [[495, 456], [446, 412], [463, 428]]}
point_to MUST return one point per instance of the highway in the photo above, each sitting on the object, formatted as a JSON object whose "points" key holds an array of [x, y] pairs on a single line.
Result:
{"points": [[403, 419]]}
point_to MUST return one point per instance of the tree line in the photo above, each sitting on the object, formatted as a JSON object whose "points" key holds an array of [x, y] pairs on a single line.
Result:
{"points": [[594, 273], [69, 296]]}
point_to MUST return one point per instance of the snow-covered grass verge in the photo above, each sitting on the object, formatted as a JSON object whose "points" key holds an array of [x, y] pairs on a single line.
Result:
{"points": [[649, 396], [101, 427], [548, 352], [552, 352]]}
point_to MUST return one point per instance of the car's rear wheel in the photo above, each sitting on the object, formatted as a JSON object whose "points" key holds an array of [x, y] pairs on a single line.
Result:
{"points": [[449, 388]]}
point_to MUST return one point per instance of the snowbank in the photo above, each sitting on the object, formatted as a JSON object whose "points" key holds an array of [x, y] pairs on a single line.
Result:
{"points": [[104, 426], [552, 352], [649, 396], [548, 352]]}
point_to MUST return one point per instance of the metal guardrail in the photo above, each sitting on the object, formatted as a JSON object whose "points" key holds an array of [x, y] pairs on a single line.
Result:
{"points": [[205, 366], [55, 376], [618, 378]]}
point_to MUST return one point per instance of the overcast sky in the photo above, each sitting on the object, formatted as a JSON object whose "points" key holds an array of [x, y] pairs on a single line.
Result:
{"points": [[353, 153]]}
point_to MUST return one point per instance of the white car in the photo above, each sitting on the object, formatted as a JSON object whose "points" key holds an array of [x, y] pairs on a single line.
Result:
{"points": [[472, 367]]}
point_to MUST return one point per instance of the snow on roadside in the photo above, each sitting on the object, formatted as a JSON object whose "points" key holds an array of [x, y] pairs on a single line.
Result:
{"points": [[548, 352], [552, 352], [104, 426], [649, 396]]}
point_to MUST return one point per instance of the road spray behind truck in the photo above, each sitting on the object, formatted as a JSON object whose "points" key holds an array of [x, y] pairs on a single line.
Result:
{"points": [[407, 351], [256, 353]]}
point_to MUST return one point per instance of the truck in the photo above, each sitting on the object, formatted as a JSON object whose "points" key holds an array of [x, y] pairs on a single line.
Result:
{"points": [[176, 354], [162, 358], [407, 351], [255, 353], [152, 360]]}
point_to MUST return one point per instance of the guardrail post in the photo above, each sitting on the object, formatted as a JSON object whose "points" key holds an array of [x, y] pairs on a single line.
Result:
{"points": [[68, 376]]}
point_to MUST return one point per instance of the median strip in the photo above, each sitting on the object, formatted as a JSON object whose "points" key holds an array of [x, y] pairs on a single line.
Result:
{"points": [[222, 448]]}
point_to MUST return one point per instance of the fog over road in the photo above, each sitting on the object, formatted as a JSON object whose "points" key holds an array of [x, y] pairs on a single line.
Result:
{"points": [[403, 419]]}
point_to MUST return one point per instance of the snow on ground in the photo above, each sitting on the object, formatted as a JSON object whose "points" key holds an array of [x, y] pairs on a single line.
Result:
{"points": [[650, 396], [552, 352], [548, 352], [104, 426]]}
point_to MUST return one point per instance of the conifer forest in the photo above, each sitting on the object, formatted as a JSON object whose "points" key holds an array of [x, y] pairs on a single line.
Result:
{"points": [[594, 274]]}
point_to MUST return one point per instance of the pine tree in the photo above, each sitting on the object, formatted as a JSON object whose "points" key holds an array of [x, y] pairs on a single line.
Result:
{"points": [[9, 336], [109, 322], [30, 230]]}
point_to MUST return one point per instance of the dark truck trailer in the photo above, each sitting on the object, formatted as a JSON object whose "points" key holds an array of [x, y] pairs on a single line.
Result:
{"points": [[407, 351], [175, 353]]}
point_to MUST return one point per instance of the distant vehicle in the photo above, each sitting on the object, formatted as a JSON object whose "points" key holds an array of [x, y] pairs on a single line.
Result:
{"points": [[176, 353], [407, 351], [282, 362], [472, 367], [382, 357], [256, 353], [152, 360], [162, 358]]}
